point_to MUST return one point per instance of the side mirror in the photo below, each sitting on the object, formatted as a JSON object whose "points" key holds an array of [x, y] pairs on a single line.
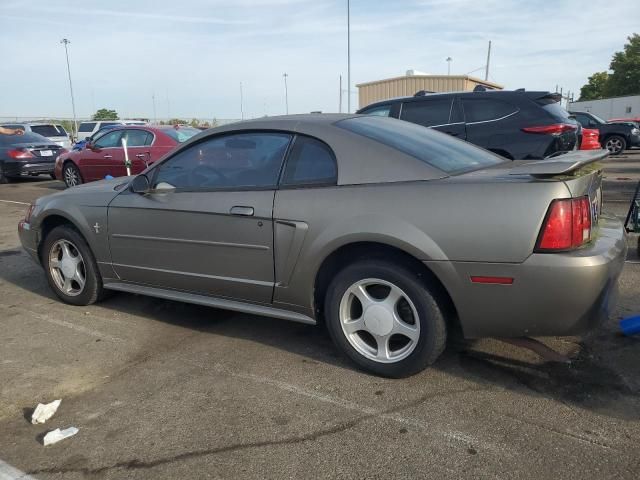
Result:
{"points": [[140, 184], [87, 139]]}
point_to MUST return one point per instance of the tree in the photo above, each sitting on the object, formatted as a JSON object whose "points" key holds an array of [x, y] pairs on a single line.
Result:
{"points": [[177, 121], [625, 79], [596, 87], [105, 114], [195, 122]]}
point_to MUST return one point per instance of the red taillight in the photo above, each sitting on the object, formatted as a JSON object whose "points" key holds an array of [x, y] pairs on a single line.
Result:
{"points": [[567, 226], [555, 129], [20, 153]]}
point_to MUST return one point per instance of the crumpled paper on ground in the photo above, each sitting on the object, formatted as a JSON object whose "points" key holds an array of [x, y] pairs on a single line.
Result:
{"points": [[44, 411], [54, 436]]}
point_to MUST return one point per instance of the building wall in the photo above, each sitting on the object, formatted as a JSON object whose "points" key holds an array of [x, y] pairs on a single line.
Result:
{"points": [[607, 108], [406, 86]]}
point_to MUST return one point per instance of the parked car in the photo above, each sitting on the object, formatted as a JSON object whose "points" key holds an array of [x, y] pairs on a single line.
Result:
{"points": [[635, 120], [615, 137], [26, 154], [105, 155], [514, 124], [391, 233], [54, 132], [590, 138]]}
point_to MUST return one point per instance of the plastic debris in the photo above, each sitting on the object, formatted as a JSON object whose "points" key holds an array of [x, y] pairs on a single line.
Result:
{"points": [[54, 436], [630, 325], [44, 411]]}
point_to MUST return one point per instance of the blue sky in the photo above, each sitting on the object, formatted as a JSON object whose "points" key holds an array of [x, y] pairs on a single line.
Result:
{"points": [[193, 54]]}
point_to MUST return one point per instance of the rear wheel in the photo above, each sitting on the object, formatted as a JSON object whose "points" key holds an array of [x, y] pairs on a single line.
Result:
{"points": [[615, 144], [3, 177], [70, 267], [385, 318], [71, 175]]}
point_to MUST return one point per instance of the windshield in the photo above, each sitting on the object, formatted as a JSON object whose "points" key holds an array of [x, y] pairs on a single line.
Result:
{"points": [[181, 134], [26, 137], [435, 148], [597, 118], [48, 130]]}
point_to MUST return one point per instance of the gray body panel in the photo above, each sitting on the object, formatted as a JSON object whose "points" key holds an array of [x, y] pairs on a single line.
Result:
{"points": [[188, 246]]}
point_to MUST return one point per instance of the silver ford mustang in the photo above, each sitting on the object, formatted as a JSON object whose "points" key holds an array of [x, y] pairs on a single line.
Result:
{"points": [[390, 233]]}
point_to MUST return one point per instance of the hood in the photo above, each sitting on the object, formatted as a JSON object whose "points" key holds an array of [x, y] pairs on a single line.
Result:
{"points": [[94, 194]]}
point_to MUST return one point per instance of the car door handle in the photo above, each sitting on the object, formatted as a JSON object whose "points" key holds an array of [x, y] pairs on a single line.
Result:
{"points": [[108, 156], [141, 155], [239, 210]]}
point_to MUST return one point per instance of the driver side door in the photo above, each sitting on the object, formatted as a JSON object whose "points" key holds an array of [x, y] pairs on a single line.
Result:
{"points": [[105, 157], [207, 225]]}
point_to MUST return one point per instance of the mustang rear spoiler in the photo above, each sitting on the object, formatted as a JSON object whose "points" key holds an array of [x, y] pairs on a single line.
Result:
{"points": [[561, 165]]}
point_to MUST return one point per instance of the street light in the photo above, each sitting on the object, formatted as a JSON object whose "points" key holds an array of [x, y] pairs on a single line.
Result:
{"points": [[449, 60], [66, 42], [286, 93], [348, 56]]}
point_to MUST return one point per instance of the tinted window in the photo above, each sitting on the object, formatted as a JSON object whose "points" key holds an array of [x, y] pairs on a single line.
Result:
{"points": [[382, 111], [427, 113], [138, 138], [437, 149], [181, 134], [310, 162], [483, 109], [230, 161], [48, 131], [109, 140], [26, 137], [87, 127], [61, 129], [106, 124]]}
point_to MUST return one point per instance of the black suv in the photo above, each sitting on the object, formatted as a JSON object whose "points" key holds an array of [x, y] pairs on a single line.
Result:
{"points": [[615, 137], [515, 124]]}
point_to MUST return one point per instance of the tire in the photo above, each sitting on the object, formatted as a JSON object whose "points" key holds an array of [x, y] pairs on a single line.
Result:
{"points": [[359, 335], [615, 144], [71, 175], [69, 268], [3, 178]]}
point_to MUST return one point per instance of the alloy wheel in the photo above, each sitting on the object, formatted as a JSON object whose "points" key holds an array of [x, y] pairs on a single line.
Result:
{"points": [[71, 176], [379, 320], [67, 268], [614, 145]]}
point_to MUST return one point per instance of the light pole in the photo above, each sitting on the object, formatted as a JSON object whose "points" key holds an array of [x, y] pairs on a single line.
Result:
{"points": [[449, 60], [348, 56], [66, 42], [286, 93]]}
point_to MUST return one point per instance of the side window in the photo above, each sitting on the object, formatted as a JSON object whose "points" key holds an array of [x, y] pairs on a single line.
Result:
{"points": [[87, 127], [239, 160], [484, 109], [311, 162], [109, 140], [383, 111], [137, 138], [428, 113]]}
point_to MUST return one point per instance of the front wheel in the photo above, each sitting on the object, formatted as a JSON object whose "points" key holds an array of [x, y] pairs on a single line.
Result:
{"points": [[385, 318], [71, 175], [615, 144], [70, 267], [3, 178]]}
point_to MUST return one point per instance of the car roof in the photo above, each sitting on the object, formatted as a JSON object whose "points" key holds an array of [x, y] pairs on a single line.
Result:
{"points": [[360, 159]]}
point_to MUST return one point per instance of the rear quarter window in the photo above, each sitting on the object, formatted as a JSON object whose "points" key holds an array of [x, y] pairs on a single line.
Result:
{"points": [[486, 109], [87, 127], [437, 149]]}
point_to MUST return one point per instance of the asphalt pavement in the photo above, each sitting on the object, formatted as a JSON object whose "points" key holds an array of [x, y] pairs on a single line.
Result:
{"points": [[162, 389]]}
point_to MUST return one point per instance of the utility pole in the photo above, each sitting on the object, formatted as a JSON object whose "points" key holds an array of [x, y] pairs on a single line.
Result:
{"points": [[66, 42], [486, 72], [241, 106], [348, 56], [286, 93], [340, 96], [449, 60]]}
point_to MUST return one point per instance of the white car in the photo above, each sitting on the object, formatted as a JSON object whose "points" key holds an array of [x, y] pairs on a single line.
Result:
{"points": [[54, 132], [87, 129]]}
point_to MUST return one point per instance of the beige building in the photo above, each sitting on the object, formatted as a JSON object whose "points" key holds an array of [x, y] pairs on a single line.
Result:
{"points": [[408, 85]]}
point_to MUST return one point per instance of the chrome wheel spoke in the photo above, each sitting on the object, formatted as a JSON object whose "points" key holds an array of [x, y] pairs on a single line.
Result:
{"points": [[360, 292], [79, 277], [395, 294], [67, 287], [402, 328], [383, 354], [353, 326]]}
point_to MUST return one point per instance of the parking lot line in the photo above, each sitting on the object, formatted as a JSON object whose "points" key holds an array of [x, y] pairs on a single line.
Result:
{"points": [[7, 472], [12, 201]]}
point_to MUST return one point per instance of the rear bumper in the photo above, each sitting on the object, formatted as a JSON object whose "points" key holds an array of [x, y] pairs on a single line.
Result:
{"points": [[16, 169], [551, 294]]}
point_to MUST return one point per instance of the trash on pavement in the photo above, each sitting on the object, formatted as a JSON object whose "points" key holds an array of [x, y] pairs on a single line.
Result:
{"points": [[630, 325], [54, 436], [44, 411]]}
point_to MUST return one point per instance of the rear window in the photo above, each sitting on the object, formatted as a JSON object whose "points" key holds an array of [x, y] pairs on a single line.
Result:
{"points": [[181, 134], [48, 131], [553, 107], [437, 149], [26, 137], [87, 127]]}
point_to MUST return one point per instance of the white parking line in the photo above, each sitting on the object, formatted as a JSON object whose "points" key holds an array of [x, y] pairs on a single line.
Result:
{"points": [[11, 201], [7, 472]]}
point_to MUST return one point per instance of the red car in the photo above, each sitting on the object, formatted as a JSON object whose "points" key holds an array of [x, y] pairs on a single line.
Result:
{"points": [[105, 155]]}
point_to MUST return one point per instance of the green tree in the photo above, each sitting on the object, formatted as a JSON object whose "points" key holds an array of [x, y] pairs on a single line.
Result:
{"points": [[105, 114], [596, 86], [194, 122], [625, 65], [177, 121]]}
